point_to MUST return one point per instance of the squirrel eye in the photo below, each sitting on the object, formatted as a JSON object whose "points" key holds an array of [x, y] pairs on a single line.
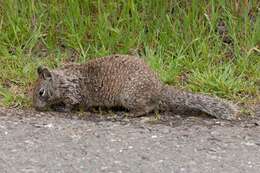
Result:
{"points": [[41, 92]]}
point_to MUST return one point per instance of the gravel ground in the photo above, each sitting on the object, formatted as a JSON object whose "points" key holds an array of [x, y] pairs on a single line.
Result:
{"points": [[33, 142]]}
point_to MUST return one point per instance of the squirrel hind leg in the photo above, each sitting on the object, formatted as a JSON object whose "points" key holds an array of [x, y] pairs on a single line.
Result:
{"points": [[140, 107], [138, 112]]}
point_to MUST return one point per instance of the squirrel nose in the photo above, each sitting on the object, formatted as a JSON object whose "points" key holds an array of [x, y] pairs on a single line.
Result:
{"points": [[40, 108]]}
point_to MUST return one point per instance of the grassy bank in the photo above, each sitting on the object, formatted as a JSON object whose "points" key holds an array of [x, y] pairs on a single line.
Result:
{"points": [[203, 46]]}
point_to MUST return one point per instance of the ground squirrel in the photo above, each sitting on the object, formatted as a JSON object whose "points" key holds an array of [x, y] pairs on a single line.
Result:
{"points": [[119, 81]]}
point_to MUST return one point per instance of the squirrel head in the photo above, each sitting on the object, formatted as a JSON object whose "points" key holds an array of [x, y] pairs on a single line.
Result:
{"points": [[44, 94]]}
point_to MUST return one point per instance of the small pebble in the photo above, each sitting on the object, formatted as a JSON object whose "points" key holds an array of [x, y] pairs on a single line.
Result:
{"points": [[154, 136]]}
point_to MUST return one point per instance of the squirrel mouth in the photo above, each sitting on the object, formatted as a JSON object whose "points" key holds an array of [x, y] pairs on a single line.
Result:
{"points": [[59, 107]]}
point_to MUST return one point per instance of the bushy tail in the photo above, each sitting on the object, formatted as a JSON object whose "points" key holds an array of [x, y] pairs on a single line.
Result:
{"points": [[173, 99]]}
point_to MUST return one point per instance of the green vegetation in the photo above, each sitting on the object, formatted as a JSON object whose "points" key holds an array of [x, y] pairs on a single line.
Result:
{"points": [[203, 46]]}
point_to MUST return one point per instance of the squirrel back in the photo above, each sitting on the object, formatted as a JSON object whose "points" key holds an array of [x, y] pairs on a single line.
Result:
{"points": [[118, 81]]}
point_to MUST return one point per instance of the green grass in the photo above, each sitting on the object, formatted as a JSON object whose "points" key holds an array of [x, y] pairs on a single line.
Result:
{"points": [[178, 39]]}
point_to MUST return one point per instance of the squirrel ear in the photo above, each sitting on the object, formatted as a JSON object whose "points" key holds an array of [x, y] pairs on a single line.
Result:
{"points": [[44, 73]]}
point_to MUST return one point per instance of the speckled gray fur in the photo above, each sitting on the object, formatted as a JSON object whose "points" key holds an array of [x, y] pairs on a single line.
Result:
{"points": [[120, 81]]}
